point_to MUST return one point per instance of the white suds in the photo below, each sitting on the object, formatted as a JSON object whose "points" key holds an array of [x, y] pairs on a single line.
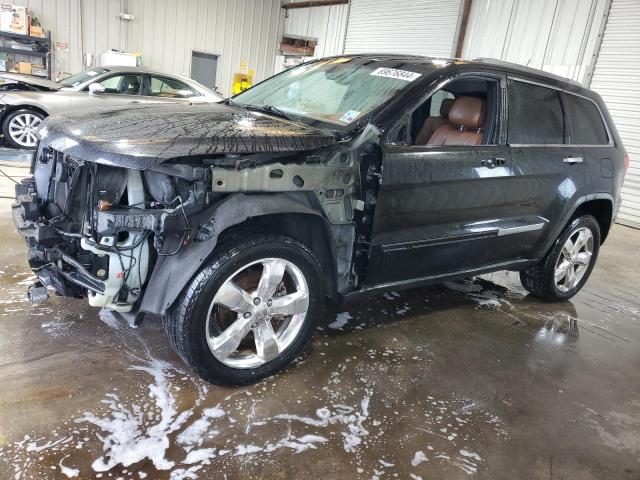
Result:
{"points": [[341, 320], [419, 458], [67, 471], [466, 453]]}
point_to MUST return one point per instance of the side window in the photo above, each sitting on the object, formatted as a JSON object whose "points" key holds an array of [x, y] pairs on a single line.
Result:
{"points": [[463, 112], [122, 84], [587, 127], [170, 88], [535, 115]]}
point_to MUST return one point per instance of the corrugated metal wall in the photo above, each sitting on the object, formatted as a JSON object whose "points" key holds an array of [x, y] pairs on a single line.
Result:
{"points": [[558, 36], [422, 27], [101, 28], [166, 31], [327, 24], [617, 78]]}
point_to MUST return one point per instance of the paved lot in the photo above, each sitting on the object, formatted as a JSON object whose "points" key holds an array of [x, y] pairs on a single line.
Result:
{"points": [[469, 379]]}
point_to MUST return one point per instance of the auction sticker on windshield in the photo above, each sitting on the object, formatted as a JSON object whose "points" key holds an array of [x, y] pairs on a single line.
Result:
{"points": [[395, 73], [349, 116]]}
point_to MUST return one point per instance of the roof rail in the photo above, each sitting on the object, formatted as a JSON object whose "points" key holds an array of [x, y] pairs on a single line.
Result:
{"points": [[524, 68]]}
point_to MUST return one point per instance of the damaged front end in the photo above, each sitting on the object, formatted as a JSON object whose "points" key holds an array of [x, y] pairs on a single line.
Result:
{"points": [[95, 230], [130, 232]]}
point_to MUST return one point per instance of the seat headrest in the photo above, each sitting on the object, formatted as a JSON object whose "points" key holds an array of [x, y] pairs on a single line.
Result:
{"points": [[468, 112], [445, 107]]}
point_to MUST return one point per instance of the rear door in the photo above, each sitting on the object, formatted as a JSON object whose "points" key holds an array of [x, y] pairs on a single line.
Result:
{"points": [[549, 174], [161, 89], [587, 133]]}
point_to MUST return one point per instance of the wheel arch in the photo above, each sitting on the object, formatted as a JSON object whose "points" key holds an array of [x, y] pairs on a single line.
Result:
{"points": [[600, 205], [602, 210], [282, 213], [310, 229], [24, 106]]}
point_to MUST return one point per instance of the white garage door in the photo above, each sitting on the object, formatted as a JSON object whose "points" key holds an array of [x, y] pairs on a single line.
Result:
{"points": [[421, 27], [617, 78]]}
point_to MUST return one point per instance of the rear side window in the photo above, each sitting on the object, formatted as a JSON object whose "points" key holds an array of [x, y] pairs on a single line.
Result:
{"points": [[587, 127], [170, 88], [535, 115]]}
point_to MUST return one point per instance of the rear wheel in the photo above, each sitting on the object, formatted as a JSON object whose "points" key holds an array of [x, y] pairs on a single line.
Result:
{"points": [[249, 311], [567, 266], [19, 128]]}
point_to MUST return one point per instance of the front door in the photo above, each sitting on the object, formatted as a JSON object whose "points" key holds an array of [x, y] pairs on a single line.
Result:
{"points": [[439, 210], [119, 89], [445, 204]]}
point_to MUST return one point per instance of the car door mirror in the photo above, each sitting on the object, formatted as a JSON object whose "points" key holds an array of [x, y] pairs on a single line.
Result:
{"points": [[95, 88]]}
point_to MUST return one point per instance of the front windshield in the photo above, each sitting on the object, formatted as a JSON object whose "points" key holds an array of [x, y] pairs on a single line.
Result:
{"points": [[80, 78], [338, 90]]}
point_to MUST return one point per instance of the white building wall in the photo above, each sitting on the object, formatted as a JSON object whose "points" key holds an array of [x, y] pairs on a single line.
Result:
{"points": [[166, 31], [558, 36]]}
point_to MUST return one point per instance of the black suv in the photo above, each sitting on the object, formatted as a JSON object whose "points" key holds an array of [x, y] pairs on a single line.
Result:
{"points": [[236, 223]]}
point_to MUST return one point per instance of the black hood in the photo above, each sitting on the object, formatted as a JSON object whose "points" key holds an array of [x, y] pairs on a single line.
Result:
{"points": [[146, 136]]}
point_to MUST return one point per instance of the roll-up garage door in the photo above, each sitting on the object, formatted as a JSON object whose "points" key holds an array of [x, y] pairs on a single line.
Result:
{"points": [[421, 27], [617, 78]]}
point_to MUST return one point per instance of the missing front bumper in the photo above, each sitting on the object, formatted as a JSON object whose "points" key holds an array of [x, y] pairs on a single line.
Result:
{"points": [[66, 275]]}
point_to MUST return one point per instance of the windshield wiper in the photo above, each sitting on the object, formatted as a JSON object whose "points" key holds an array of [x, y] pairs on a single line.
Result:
{"points": [[271, 110]]}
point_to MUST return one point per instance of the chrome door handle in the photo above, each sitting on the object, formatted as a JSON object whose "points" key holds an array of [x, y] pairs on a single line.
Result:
{"points": [[573, 160]]}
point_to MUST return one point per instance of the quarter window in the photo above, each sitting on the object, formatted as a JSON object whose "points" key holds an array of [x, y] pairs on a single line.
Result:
{"points": [[587, 127], [535, 115]]}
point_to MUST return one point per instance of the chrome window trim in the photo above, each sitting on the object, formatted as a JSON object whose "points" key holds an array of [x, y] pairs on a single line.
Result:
{"points": [[567, 92]]}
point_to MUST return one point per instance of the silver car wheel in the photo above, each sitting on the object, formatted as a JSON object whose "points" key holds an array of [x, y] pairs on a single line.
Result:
{"points": [[574, 259], [263, 317], [22, 129]]}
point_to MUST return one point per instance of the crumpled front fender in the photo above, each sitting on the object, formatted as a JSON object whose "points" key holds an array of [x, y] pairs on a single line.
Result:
{"points": [[172, 273]]}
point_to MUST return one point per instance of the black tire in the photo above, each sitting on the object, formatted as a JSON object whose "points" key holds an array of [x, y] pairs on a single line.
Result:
{"points": [[540, 279], [9, 118], [185, 323]]}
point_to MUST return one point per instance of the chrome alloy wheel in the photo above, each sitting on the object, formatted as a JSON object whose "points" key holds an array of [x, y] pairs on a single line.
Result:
{"points": [[574, 259], [257, 313], [22, 129]]}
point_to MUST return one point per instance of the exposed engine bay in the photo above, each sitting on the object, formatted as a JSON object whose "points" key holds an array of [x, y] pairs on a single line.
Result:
{"points": [[130, 239]]}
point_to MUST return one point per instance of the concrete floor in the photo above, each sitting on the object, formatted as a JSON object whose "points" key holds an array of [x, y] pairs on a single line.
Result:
{"points": [[470, 379]]}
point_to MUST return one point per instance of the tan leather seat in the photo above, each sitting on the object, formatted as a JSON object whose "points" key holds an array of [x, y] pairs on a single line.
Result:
{"points": [[431, 124], [467, 118]]}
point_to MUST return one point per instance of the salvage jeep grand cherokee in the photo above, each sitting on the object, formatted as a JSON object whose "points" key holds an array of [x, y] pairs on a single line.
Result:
{"points": [[235, 222]]}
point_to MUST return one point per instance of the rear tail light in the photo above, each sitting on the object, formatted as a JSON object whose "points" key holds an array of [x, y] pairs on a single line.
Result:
{"points": [[626, 163]]}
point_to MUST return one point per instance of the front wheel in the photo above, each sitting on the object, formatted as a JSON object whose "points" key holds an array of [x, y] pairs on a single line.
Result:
{"points": [[19, 128], [565, 269], [249, 311]]}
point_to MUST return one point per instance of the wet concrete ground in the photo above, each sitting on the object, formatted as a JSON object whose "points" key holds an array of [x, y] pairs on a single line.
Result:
{"points": [[470, 379]]}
